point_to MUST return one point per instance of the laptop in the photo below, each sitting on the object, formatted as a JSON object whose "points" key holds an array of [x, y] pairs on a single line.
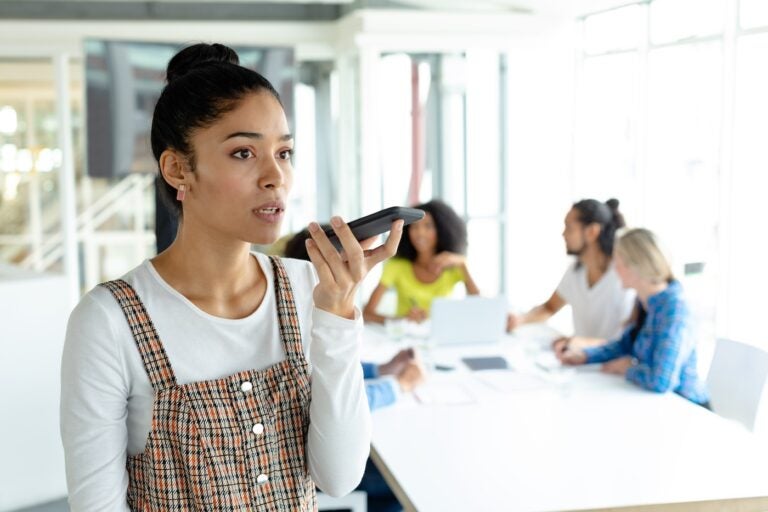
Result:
{"points": [[472, 320]]}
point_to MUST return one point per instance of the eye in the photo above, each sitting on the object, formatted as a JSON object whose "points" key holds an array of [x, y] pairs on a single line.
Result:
{"points": [[285, 154], [243, 154]]}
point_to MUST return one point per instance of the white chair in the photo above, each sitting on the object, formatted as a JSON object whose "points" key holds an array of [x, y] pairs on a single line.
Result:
{"points": [[737, 383], [356, 501]]}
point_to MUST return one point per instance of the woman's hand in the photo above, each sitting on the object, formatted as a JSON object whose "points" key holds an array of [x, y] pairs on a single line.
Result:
{"points": [[341, 273], [618, 366], [446, 260], [411, 376], [416, 314], [571, 356]]}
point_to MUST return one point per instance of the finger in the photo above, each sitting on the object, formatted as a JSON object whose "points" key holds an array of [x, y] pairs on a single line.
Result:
{"points": [[352, 250], [321, 265], [388, 248], [329, 253], [368, 242]]}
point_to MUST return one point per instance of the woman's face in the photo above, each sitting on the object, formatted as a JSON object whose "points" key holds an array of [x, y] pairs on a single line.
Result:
{"points": [[423, 235], [243, 172], [629, 278]]}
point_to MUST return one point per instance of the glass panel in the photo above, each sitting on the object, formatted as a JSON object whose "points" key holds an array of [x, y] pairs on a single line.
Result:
{"points": [[453, 126], [303, 197], [746, 275], [29, 159], [619, 29], [682, 175], [673, 20], [484, 255], [605, 137], [753, 13], [483, 163]]}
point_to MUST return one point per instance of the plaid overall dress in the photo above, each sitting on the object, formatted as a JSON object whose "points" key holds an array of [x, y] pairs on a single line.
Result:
{"points": [[230, 444]]}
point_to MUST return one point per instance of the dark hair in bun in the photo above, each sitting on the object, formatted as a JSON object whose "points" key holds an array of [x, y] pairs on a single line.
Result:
{"points": [[607, 215], [204, 82]]}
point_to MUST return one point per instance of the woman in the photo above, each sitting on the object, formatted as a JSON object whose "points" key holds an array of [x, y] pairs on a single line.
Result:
{"points": [[656, 352], [430, 262], [186, 384], [385, 382]]}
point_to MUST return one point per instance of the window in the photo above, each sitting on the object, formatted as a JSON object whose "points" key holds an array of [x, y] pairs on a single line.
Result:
{"points": [[676, 20], [683, 164], [605, 163], [747, 245], [618, 29], [753, 13]]}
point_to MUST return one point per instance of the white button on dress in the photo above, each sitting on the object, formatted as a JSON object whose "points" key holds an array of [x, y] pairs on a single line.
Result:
{"points": [[258, 429], [262, 479], [246, 386]]}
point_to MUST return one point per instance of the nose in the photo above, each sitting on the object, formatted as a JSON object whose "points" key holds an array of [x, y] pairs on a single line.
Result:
{"points": [[272, 175]]}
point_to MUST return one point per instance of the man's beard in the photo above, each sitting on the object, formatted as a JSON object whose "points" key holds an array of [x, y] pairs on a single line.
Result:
{"points": [[575, 252]]}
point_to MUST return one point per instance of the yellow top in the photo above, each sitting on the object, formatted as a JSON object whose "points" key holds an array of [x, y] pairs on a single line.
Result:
{"points": [[398, 274]]}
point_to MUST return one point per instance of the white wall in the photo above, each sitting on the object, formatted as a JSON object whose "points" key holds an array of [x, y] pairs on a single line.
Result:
{"points": [[33, 316]]}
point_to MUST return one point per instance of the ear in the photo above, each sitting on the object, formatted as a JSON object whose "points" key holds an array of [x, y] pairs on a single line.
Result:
{"points": [[592, 231], [174, 168]]}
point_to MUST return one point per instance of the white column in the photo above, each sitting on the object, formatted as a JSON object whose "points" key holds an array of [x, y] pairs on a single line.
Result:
{"points": [[35, 205], [369, 169], [67, 191]]}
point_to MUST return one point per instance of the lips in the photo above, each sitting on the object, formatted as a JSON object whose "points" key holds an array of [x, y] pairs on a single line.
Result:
{"points": [[270, 208], [270, 212]]}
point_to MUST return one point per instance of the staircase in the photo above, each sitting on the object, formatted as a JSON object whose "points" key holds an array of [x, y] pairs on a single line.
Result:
{"points": [[115, 226]]}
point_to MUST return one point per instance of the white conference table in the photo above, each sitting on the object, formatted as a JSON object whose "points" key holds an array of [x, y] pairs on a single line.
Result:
{"points": [[562, 439]]}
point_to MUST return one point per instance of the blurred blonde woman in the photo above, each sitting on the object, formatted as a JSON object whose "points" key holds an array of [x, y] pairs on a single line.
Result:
{"points": [[657, 350]]}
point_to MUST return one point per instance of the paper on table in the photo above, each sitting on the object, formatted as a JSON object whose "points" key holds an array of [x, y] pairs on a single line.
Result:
{"points": [[546, 360], [506, 381], [443, 393]]}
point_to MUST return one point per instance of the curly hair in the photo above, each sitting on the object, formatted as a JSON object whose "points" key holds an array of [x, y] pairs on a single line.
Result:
{"points": [[296, 246], [451, 231]]}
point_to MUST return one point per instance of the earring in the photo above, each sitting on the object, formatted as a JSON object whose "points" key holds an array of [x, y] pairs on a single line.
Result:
{"points": [[181, 192]]}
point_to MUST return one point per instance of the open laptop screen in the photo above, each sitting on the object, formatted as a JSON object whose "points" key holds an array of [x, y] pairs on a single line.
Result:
{"points": [[468, 321]]}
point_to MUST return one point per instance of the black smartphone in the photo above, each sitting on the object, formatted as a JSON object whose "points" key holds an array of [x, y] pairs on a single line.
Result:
{"points": [[377, 223]]}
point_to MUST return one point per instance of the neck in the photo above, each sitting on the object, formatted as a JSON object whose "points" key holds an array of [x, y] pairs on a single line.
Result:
{"points": [[202, 264], [424, 258], [648, 289], [595, 261]]}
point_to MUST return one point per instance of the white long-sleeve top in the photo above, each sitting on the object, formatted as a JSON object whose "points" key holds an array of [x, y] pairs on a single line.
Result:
{"points": [[106, 396]]}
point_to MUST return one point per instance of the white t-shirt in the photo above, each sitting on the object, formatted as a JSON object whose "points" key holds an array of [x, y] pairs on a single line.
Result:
{"points": [[599, 311], [106, 396]]}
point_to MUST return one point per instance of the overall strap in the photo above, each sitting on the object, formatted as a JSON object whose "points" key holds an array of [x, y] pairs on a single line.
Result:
{"points": [[153, 354], [290, 332]]}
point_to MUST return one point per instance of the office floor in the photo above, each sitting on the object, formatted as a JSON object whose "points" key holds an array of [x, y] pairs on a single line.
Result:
{"points": [[52, 506]]}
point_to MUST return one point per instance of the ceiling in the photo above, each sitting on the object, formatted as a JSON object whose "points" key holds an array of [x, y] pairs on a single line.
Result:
{"points": [[265, 10]]}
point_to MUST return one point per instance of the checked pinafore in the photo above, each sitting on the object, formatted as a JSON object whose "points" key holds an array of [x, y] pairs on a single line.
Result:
{"points": [[230, 444]]}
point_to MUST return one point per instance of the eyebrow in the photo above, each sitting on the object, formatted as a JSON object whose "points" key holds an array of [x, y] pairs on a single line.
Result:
{"points": [[256, 135]]}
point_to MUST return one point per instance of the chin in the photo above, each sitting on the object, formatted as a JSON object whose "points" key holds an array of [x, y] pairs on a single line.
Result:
{"points": [[262, 238]]}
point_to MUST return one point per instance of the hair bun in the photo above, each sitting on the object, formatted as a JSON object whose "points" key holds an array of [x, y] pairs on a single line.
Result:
{"points": [[199, 55], [618, 218]]}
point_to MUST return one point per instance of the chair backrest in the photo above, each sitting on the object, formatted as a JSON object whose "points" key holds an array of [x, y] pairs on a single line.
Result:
{"points": [[737, 382]]}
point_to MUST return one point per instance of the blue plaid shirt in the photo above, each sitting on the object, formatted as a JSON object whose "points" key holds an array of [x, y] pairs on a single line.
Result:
{"points": [[664, 348]]}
